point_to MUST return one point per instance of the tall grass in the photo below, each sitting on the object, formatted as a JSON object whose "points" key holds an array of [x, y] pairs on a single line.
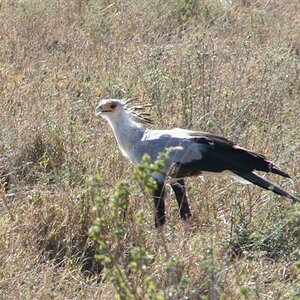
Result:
{"points": [[228, 67]]}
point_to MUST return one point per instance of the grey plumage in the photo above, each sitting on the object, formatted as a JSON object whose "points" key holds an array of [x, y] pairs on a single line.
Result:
{"points": [[198, 153]]}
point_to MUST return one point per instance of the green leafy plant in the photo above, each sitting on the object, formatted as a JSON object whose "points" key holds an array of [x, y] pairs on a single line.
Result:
{"points": [[108, 231]]}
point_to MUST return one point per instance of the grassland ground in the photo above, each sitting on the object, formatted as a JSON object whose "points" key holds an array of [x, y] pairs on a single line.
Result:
{"points": [[230, 67]]}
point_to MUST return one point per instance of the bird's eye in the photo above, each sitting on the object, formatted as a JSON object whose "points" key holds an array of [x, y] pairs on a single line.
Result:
{"points": [[113, 106]]}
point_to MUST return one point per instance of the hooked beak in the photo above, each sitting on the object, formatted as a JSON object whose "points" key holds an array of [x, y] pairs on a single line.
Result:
{"points": [[103, 108], [99, 110]]}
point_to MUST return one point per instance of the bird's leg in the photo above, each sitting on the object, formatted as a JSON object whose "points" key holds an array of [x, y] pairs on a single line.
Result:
{"points": [[184, 209], [160, 219], [159, 205], [180, 193]]}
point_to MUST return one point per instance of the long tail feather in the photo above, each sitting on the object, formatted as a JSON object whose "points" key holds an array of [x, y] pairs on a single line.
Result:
{"points": [[265, 184], [256, 161], [276, 170]]}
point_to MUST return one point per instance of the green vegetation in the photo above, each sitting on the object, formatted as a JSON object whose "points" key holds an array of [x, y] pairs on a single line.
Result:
{"points": [[76, 220]]}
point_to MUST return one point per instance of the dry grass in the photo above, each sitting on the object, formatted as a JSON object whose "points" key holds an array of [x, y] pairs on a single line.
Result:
{"points": [[229, 67]]}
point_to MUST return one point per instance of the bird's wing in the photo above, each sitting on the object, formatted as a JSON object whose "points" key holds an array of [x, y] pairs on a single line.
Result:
{"points": [[154, 142], [221, 153], [202, 151]]}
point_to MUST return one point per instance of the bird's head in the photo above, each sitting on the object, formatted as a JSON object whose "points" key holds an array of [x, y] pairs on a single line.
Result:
{"points": [[114, 109], [109, 107]]}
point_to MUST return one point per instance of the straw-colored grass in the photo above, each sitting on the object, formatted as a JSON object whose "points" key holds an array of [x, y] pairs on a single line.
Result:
{"points": [[230, 67]]}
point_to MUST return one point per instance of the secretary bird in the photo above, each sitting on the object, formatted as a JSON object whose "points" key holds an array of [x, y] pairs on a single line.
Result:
{"points": [[196, 153]]}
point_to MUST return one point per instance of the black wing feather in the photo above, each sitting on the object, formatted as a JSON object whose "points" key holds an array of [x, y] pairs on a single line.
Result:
{"points": [[233, 157]]}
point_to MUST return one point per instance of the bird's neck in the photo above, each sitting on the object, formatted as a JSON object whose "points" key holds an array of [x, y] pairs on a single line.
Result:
{"points": [[127, 134]]}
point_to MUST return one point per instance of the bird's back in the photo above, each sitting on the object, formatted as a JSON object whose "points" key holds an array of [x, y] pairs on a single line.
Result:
{"points": [[154, 142], [200, 153]]}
